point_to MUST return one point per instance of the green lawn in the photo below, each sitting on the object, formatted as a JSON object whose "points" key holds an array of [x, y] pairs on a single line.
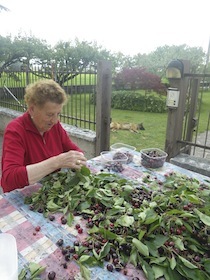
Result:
{"points": [[153, 135]]}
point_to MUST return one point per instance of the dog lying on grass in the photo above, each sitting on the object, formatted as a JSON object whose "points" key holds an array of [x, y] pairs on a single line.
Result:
{"points": [[126, 126]]}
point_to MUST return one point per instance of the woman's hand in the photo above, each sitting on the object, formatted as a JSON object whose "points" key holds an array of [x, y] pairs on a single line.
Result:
{"points": [[72, 159]]}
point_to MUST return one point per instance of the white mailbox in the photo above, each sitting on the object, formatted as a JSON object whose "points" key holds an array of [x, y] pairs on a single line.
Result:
{"points": [[172, 97]]}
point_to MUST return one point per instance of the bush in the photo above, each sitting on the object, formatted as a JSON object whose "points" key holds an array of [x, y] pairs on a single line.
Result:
{"points": [[125, 100]]}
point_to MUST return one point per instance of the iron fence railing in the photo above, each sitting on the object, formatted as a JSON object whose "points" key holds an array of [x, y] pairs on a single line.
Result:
{"points": [[80, 109]]}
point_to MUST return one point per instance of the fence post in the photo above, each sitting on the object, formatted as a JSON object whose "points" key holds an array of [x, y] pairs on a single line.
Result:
{"points": [[103, 106], [176, 116]]}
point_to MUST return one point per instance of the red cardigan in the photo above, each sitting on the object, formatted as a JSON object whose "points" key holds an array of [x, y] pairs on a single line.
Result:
{"points": [[24, 145]]}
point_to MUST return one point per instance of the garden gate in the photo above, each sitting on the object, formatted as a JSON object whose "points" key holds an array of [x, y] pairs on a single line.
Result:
{"points": [[182, 134]]}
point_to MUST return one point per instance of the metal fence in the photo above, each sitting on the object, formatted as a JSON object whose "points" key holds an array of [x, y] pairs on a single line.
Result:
{"points": [[80, 87]]}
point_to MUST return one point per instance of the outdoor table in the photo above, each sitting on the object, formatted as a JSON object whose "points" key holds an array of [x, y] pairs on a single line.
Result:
{"points": [[40, 246]]}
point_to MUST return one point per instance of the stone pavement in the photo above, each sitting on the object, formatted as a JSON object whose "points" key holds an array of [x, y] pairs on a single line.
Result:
{"points": [[198, 161], [202, 139]]}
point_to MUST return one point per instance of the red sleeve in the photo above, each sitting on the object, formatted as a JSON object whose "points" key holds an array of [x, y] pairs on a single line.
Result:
{"points": [[14, 174]]}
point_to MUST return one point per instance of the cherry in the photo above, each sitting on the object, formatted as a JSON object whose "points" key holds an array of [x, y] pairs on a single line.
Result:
{"points": [[197, 258], [59, 242], [37, 228], [115, 261], [80, 230], [77, 226], [65, 265], [72, 250], [178, 231], [90, 224], [63, 220], [76, 256], [76, 243], [31, 207], [67, 257], [110, 267], [51, 275], [51, 217], [186, 207], [64, 251]]}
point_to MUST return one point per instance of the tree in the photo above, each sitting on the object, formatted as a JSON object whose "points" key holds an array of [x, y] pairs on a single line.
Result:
{"points": [[23, 52], [72, 58], [138, 78], [62, 63], [120, 61], [156, 62]]}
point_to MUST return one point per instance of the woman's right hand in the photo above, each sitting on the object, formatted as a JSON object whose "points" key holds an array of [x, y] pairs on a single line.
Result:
{"points": [[72, 159]]}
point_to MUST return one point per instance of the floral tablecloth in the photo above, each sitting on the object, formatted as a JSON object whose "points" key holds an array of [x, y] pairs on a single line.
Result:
{"points": [[40, 246]]}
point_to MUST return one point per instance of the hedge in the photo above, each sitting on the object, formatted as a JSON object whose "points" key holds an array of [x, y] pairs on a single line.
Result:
{"points": [[125, 100]]}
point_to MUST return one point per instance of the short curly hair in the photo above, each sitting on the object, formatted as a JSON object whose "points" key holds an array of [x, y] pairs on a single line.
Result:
{"points": [[43, 91]]}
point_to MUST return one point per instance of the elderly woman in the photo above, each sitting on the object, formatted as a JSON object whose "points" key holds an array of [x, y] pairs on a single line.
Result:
{"points": [[35, 144]]}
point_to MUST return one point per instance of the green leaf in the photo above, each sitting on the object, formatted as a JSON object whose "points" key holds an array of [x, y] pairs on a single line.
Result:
{"points": [[84, 258], [85, 272], [141, 234], [84, 205], [148, 216], [158, 271], [159, 240], [52, 207], [125, 220], [104, 250], [187, 263], [22, 274], [179, 243], [108, 234], [84, 171], [96, 255], [159, 260], [36, 269], [207, 265], [89, 260], [143, 249], [147, 270], [70, 219], [133, 256], [172, 262], [204, 218]]}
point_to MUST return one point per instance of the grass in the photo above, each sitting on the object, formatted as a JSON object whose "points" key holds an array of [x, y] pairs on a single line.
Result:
{"points": [[153, 135]]}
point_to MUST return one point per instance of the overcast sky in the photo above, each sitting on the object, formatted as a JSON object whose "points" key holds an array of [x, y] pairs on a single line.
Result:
{"points": [[127, 26]]}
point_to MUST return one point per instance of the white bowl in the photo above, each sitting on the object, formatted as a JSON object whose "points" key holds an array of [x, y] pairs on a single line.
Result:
{"points": [[113, 157], [124, 148], [8, 257]]}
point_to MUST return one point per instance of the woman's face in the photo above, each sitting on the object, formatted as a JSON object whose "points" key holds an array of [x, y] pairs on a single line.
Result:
{"points": [[45, 117]]}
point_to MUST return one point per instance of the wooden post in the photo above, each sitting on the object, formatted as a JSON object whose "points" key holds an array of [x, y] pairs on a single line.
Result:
{"points": [[192, 121], [176, 115], [103, 106]]}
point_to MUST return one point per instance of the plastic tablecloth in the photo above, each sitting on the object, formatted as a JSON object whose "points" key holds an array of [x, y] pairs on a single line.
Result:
{"points": [[40, 246]]}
